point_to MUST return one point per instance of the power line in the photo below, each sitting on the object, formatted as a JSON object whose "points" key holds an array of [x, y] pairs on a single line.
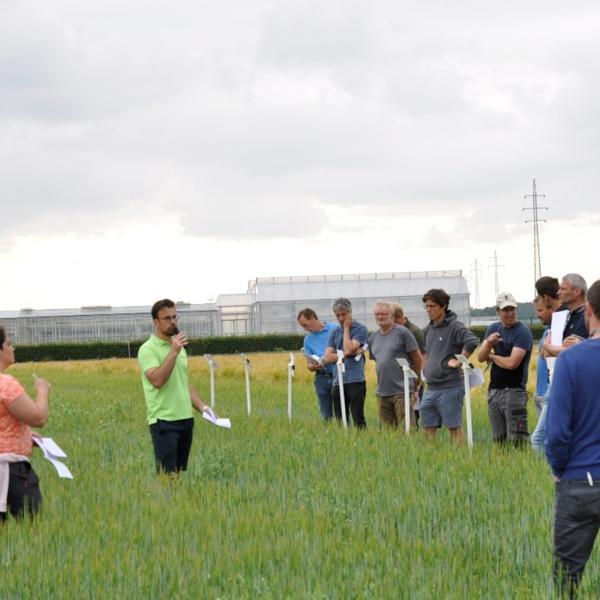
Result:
{"points": [[537, 261]]}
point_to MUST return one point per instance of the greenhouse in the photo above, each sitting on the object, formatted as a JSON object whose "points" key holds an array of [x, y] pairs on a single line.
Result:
{"points": [[270, 305], [93, 323], [279, 299]]}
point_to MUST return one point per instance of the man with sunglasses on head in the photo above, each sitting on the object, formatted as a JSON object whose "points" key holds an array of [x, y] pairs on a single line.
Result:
{"points": [[507, 347], [169, 395]]}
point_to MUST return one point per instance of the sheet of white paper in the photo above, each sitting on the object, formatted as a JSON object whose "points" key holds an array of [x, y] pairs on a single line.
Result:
{"points": [[217, 421], [53, 448], [557, 329], [475, 377], [52, 452], [550, 361], [61, 468]]}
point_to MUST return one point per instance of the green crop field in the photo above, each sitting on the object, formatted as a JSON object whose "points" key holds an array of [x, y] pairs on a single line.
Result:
{"points": [[273, 509]]}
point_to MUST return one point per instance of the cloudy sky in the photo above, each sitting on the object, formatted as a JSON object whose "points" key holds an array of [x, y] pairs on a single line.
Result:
{"points": [[152, 148]]}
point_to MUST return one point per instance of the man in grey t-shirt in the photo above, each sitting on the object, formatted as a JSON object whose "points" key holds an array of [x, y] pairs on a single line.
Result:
{"points": [[388, 343]]}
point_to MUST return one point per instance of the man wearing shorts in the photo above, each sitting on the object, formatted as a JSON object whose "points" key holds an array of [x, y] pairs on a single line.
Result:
{"points": [[507, 346], [445, 336]]}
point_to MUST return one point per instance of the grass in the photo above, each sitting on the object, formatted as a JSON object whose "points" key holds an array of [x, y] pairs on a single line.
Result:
{"points": [[272, 509]]}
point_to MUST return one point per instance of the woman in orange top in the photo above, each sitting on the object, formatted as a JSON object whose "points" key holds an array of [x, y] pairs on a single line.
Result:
{"points": [[19, 489]]}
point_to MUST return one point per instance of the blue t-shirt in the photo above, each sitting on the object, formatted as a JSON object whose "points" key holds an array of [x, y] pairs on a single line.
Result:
{"points": [[541, 379], [315, 342], [354, 369], [518, 336], [573, 417]]}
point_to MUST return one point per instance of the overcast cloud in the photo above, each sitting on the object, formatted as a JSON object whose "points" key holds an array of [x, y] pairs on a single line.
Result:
{"points": [[296, 121]]}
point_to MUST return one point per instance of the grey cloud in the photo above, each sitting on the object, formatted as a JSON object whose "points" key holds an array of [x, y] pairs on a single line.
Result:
{"points": [[312, 34], [405, 110]]}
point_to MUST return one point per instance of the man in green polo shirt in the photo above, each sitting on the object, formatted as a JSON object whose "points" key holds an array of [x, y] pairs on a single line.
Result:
{"points": [[168, 393]]}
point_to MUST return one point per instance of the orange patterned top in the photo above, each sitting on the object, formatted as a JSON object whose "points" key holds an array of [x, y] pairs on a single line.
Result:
{"points": [[15, 436]]}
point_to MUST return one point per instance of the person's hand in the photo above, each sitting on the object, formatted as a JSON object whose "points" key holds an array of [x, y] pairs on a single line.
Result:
{"points": [[556, 479], [348, 320], [492, 340], [571, 340], [453, 363], [41, 385], [179, 341]]}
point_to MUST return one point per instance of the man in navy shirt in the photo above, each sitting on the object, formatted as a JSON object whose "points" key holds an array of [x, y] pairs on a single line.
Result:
{"points": [[315, 344], [571, 293], [350, 337], [507, 346], [573, 451]]}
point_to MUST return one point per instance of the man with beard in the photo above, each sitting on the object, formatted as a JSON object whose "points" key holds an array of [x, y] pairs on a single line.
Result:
{"points": [[169, 395], [507, 346]]}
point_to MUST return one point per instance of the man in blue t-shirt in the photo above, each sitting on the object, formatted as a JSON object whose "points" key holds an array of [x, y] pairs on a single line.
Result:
{"points": [[315, 344], [507, 346], [351, 339], [573, 452]]}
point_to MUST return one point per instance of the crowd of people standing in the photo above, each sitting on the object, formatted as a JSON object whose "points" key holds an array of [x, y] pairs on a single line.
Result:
{"points": [[566, 394]]}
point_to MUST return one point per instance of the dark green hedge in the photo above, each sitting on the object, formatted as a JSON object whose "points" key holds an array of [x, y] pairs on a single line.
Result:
{"points": [[196, 347]]}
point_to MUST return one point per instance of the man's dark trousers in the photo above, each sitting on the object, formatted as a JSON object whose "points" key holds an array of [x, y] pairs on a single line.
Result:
{"points": [[575, 527], [354, 394]]}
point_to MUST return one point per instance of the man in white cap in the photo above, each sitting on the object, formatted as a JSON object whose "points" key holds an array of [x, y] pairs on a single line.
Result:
{"points": [[507, 346]]}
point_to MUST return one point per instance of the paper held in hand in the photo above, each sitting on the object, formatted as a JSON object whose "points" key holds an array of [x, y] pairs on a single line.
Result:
{"points": [[52, 452], [475, 377], [217, 420]]}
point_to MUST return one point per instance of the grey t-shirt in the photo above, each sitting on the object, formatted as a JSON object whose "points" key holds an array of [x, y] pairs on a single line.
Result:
{"points": [[384, 349]]}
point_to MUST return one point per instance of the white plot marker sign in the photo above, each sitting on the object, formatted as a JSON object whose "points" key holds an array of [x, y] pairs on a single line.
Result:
{"points": [[247, 367], [408, 374], [291, 369], [212, 365], [340, 371], [466, 367]]}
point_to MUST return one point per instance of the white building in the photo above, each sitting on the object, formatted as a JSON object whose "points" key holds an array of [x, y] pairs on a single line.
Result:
{"points": [[270, 305], [279, 299]]}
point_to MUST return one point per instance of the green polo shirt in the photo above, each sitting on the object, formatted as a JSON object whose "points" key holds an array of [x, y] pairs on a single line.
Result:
{"points": [[172, 401]]}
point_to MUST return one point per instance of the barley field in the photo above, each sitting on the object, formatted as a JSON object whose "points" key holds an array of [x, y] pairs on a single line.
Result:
{"points": [[272, 509]]}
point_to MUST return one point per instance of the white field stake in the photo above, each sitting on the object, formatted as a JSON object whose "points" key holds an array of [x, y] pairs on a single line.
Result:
{"points": [[212, 365], [341, 370], [466, 367], [247, 367], [408, 374], [291, 369]]}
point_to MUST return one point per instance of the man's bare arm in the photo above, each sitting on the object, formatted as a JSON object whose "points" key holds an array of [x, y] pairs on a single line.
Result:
{"points": [[158, 376], [416, 361], [511, 362]]}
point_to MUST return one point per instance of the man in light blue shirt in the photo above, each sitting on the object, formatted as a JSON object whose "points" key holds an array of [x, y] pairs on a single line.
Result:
{"points": [[315, 344]]}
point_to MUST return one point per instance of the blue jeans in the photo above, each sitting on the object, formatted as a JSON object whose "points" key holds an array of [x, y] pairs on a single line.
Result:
{"points": [[538, 437], [323, 387]]}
